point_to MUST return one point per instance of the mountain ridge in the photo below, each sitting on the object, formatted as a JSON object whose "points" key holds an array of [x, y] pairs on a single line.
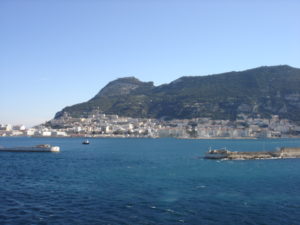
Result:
{"points": [[261, 91]]}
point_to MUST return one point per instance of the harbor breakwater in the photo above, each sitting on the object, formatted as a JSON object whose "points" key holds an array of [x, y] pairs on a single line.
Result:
{"points": [[284, 152]]}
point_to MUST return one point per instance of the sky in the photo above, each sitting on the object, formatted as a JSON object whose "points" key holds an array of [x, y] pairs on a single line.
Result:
{"points": [[55, 53]]}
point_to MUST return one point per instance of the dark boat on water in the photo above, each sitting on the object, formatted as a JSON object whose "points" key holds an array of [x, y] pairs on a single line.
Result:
{"points": [[86, 142]]}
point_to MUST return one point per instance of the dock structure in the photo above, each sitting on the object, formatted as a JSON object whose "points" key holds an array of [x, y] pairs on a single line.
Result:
{"points": [[37, 148], [284, 152], [288, 152]]}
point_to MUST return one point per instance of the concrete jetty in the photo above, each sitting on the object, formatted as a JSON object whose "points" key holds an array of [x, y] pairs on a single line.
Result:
{"points": [[37, 148]]}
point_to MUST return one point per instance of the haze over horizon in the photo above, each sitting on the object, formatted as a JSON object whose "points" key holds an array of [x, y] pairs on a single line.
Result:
{"points": [[55, 54]]}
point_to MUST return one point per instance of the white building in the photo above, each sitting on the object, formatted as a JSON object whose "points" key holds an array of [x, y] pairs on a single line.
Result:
{"points": [[30, 132], [60, 133], [8, 127], [19, 127], [46, 133], [17, 133]]}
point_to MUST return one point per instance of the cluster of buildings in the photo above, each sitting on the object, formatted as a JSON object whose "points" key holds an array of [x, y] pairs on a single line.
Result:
{"points": [[97, 124], [21, 130]]}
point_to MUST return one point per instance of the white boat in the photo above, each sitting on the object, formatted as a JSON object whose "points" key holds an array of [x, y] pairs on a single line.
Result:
{"points": [[37, 148]]}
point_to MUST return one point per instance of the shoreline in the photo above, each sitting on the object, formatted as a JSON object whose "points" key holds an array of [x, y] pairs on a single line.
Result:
{"points": [[145, 137], [223, 138]]}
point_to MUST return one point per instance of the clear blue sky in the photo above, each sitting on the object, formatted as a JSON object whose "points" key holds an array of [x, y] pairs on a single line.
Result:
{"points": [[58, 53]]}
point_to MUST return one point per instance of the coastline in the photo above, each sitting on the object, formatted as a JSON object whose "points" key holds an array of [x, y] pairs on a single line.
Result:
{"points": [[221, 138], [147, 137]]}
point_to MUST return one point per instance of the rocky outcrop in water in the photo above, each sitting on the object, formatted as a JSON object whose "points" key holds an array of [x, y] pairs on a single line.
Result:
{"points": [[229, 155]]}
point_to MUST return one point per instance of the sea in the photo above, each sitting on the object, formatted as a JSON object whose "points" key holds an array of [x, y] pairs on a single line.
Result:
{"points": [[147, 181]]}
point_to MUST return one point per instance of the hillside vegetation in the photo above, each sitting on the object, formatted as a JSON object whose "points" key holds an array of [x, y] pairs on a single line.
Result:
{"points": [[262, 91]]}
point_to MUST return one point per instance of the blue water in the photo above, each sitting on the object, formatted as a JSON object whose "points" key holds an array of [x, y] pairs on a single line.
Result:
{"points": [[147, 181]]}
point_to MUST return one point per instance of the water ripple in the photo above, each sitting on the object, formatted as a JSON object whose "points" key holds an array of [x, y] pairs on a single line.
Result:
{"points": [[145, 182]]}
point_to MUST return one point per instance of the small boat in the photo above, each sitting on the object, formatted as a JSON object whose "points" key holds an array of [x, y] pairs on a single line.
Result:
{"points": [[37, 148], [86, 142]]}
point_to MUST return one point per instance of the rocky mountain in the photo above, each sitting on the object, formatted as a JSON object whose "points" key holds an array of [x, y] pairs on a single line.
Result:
{"points": [[122, 86], [263, 91]]}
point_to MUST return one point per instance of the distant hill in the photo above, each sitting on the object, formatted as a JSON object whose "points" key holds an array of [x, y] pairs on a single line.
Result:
{"points": [[263, 91]]}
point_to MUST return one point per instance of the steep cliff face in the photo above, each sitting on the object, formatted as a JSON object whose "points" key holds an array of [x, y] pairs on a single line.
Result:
{"points": [[262, 91]]}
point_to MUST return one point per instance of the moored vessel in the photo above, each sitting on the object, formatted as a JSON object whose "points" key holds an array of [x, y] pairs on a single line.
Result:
{"points": [[221, 153]]}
